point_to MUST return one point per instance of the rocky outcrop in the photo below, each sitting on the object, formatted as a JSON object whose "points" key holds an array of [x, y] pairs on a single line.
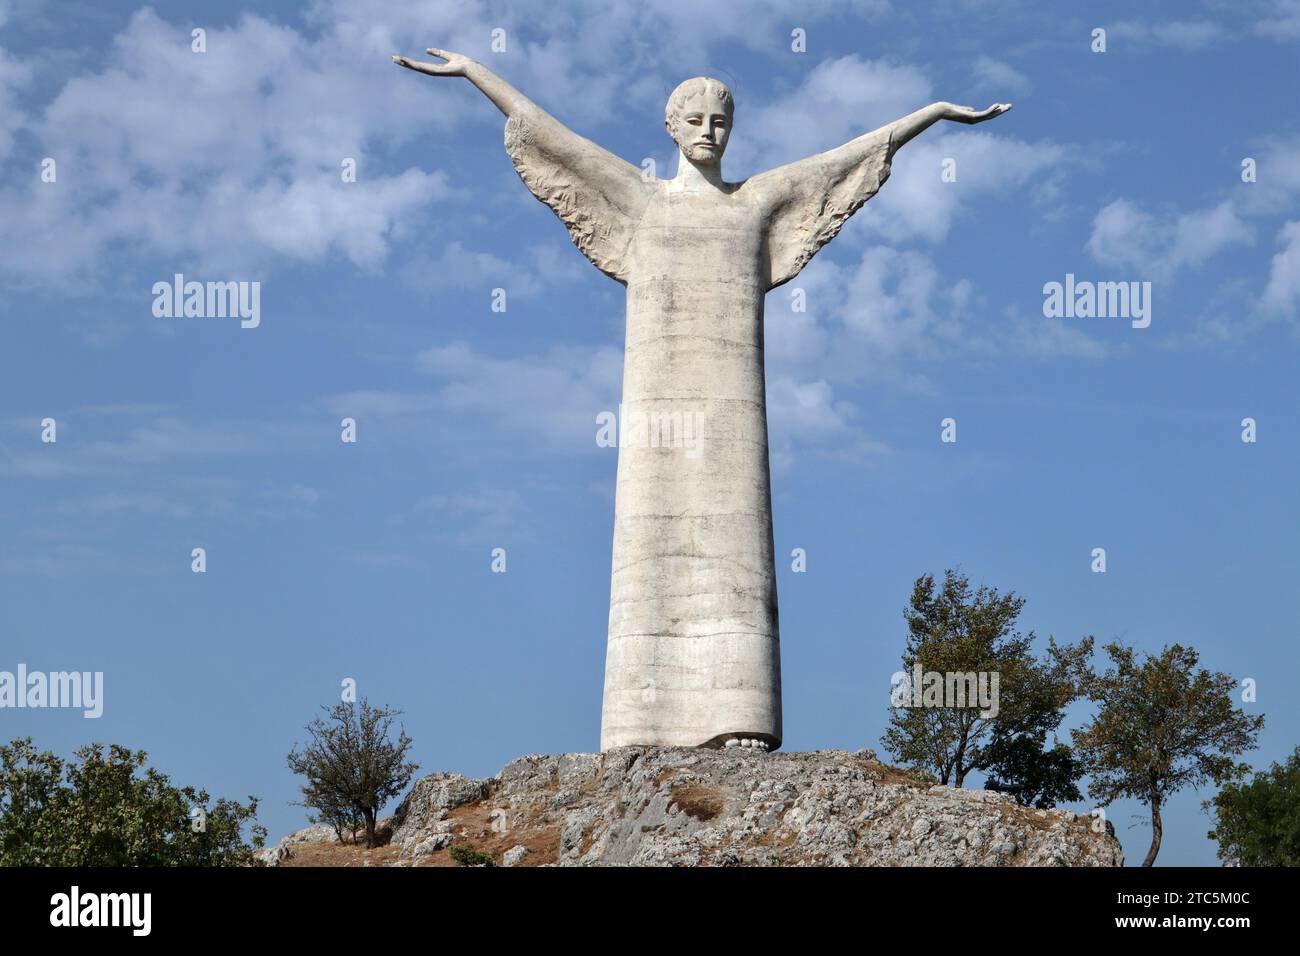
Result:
{"points": [[316, 833], [291, 849], [645, 806]]}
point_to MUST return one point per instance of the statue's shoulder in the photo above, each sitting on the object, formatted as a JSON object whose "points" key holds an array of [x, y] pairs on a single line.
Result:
{"points": [[761, 189]]}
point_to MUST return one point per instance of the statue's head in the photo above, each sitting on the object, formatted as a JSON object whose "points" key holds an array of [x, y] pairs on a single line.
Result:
{"points": [[698, 118]]}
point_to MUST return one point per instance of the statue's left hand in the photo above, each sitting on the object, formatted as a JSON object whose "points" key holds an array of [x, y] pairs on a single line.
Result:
{"points": [[456, 64], [966, 114]]}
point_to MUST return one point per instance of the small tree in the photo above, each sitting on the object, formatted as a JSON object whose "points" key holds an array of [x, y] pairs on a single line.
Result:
{"points": [[1258, 823], [101, 811], [955, 630], [351, 766], [1162, 724]]}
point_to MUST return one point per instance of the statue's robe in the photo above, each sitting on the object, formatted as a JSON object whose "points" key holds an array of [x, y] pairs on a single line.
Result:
{"points": [[694, 650]]}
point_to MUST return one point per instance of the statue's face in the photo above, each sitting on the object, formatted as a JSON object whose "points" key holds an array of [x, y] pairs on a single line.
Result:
{"points": [[701, 128]]}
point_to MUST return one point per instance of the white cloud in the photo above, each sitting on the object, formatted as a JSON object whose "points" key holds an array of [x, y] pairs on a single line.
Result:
{"points": [[1282, 295], [1282, 22], [166, 439], [806, 417], [1126, 236], [471, 518], [1186, 35], [14, 75], [109, 503], [807, 408], [895, 303], [917, 204], [1000, 78], [143, 444], [1037, 337], [839, 100], [1277, 184], [550, 400], [225, 158], [1160, 245], [871, 321], [495, 508], [379, 404], [229, 159], [459, 268]]}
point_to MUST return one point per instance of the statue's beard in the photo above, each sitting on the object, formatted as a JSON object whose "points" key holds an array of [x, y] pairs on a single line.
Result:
{"points": [[703, 155]]}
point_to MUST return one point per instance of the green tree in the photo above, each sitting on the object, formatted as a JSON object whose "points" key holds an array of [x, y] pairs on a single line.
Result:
{"points": [[1035, 776], [1258, 823], [954, 630], [101, 810], [1162, 724], [352, 767]]}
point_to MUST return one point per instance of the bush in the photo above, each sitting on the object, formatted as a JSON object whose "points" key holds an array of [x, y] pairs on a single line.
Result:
{"points": [[1258, 823], [468, 856], [100, 811], [352, 768]]}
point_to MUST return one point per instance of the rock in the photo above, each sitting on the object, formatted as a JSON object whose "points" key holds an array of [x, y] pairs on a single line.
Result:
{"points": [[688, 806], [432, 844], [316, 833], [514, 855], [272, 855], [428, 803]]}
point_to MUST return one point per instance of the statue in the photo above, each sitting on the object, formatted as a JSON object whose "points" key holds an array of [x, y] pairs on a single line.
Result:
{"points": [[693, 657]]}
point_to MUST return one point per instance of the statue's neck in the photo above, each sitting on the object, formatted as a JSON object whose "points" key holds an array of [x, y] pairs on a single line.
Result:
{"points": [[697, 176]]}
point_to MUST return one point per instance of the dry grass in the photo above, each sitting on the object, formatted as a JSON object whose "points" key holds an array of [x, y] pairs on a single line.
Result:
{"points": [[699, 803], [884, 773], [339, 854]]}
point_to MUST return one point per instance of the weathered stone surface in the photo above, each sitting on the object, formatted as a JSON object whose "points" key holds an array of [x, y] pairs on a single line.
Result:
{"points": [[316, 833], [514, 855], [645, 806], [426, 806]]}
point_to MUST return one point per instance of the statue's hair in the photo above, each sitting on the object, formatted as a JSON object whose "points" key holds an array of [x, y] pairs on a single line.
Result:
{"points": [[696, 84]]}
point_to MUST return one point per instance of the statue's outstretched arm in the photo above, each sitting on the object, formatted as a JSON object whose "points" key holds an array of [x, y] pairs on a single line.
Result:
{"points": [[507, 99], [900, 131], [598, 197], [879, 145], [808, 201]]}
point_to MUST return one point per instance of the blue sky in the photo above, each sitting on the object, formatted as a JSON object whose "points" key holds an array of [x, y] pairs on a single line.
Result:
{"points": [[476, 429]]}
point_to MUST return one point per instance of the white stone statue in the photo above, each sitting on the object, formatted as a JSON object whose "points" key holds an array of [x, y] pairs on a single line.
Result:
{"points": [[694, 653]]}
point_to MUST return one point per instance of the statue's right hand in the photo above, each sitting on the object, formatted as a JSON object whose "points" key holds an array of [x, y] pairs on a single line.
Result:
{"points": [[970, 116], [456, 64]]}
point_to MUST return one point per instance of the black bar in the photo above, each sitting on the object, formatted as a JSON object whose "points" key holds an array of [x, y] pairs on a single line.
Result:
{"points": [[380, 905]]}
